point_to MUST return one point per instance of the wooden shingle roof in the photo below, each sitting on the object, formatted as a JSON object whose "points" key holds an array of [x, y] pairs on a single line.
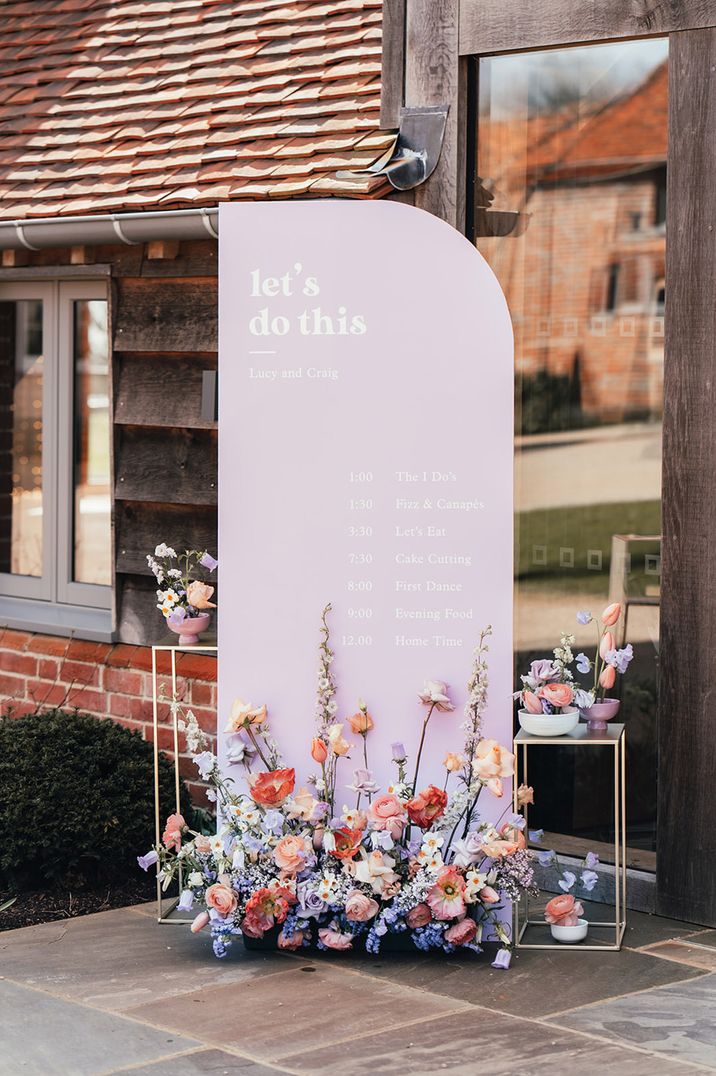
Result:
{"points": [[110, 105]]}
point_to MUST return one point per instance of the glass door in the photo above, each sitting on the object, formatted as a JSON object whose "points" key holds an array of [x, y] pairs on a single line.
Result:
{"points": [[569, 207]]}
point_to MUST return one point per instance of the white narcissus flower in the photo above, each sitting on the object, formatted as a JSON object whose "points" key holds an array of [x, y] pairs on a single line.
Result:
{"points": [[195, 879]]}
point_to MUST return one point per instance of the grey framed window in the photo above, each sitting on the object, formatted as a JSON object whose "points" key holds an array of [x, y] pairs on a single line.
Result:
{"points": [[55, 437]]}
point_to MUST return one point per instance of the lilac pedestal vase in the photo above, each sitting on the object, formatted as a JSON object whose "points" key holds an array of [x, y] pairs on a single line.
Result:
{"points": [[190, 629], [600, 714]]}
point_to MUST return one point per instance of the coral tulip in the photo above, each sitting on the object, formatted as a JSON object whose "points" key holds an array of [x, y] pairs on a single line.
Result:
{"points": [[607, 677], [611, 614], [319, 751], [606, 644]]}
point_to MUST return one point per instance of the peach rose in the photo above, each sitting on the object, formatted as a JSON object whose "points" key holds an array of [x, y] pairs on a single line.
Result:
{"points": [[386, 812], [427, 806], [272, 788], [198, 594], [608, 677], [360, 722], [221, 898], [462, 932], [531, 703], [334, 939], [525, 795], [453, 762], [359, 907], [319, 751], [513, 835], [171, 837], [493, 760], [294, 942], [563, 911], [337, 742], [418, 916], [199, 923], [301, 805], [611, 614], [202, 844], [244, 714], [557, 694], [290, 854]]}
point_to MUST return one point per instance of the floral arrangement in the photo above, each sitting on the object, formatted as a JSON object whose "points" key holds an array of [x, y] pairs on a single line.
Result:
{"points": [[180, 595], [549, 687], [298, 866], [563, 911]]}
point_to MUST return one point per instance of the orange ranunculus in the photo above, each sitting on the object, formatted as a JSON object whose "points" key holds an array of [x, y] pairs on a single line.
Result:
{"points": [[361, 722], [563, 911], [244, 714], [557, 694], [606, 644], [611, 614], [531, 703], [513, 834], [290, 854], [319, 751], [221, 898], [264, 908], [428, 805], [453, 762], [608, 677], [493, 760], [198, 594], [271, 789], [347, 842], [171, 837]]}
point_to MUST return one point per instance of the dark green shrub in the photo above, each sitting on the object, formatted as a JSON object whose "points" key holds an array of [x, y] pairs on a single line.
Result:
{"points": [[76, 801]]}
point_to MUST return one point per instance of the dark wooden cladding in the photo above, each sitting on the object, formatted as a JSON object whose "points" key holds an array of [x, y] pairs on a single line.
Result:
{"points": [[139, 621], [145, 386], [687, 743], [393, 62], [488, 26], [432, 78], [171, 315], [140, 527], [173, 466]]}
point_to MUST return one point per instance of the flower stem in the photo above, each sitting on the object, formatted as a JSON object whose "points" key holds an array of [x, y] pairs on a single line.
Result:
{"points": [[420, 748], [256, 744]]}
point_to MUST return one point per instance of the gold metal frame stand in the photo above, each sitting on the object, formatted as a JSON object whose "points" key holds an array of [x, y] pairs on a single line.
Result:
{"points": [[615, 738], [165, 906]]}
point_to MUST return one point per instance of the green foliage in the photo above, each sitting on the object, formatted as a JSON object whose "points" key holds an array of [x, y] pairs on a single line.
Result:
{"points": [[76, 801]]}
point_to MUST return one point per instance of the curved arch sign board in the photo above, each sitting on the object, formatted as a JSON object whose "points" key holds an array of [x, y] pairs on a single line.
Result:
{"points": [[365, 459]]}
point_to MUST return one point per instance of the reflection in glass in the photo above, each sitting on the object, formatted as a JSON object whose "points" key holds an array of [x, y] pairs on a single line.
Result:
{"points": [[21, 379], [92, 561], [569, 210]]}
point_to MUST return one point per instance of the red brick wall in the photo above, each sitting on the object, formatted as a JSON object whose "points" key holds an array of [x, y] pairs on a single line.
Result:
{"points": [[107, 681]]}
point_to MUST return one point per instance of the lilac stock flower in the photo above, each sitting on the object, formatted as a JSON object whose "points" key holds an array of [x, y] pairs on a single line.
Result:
{"points": [[363, 782], [204, 762], [583, 663], [535, 835], [590, 860], [620, 658], [320, 811], [399, 753], [567, 881], [546, 858], [584, 617], [147, 861], [185, 900], [589, 879], [502, 959], [207, 561]]}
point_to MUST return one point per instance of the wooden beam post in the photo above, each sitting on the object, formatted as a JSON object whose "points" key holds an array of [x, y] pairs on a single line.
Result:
{"points": [[431, 78], [393, 63], [687, 700]]}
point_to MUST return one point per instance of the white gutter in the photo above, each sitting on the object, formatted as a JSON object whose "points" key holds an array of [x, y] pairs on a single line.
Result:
{"points": [[130, 228]]}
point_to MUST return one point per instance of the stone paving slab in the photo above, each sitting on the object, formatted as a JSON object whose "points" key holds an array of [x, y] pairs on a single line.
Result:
{"points": [[306, 1007], [686, 952], [479, 1041], [204, 1063], [706, 937], [117, 960], [45, 1036], [675, 1021]]}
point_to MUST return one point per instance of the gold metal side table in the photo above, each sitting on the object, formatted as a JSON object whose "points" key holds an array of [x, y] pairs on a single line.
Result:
{"points": [[614, 738], [164, 912]]}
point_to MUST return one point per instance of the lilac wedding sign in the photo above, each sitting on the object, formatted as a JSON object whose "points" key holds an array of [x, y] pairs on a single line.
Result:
{"points": [[365, 459]]}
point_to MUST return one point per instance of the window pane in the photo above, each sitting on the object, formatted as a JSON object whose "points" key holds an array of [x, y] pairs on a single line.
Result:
{"points": [[21, 377], [92, 552], [569, 211]]}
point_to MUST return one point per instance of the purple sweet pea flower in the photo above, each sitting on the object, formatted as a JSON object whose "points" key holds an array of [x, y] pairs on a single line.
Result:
{"points": [[590, 860], [535, 835], [185, 900], [207, 561], [177, 616], [517, 820], [567, 881], [584, 699], [583, 663], [204, 762], [583, 617], [546, 858], [502, 959], [273, 821], [398, 750], [145, 862], [589, 879], [620, 658], [541, 672], [363, 782]]}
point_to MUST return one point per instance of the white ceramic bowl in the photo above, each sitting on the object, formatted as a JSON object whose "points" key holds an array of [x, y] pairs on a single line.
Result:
{"points": [[570, 935], [549, 724]]}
